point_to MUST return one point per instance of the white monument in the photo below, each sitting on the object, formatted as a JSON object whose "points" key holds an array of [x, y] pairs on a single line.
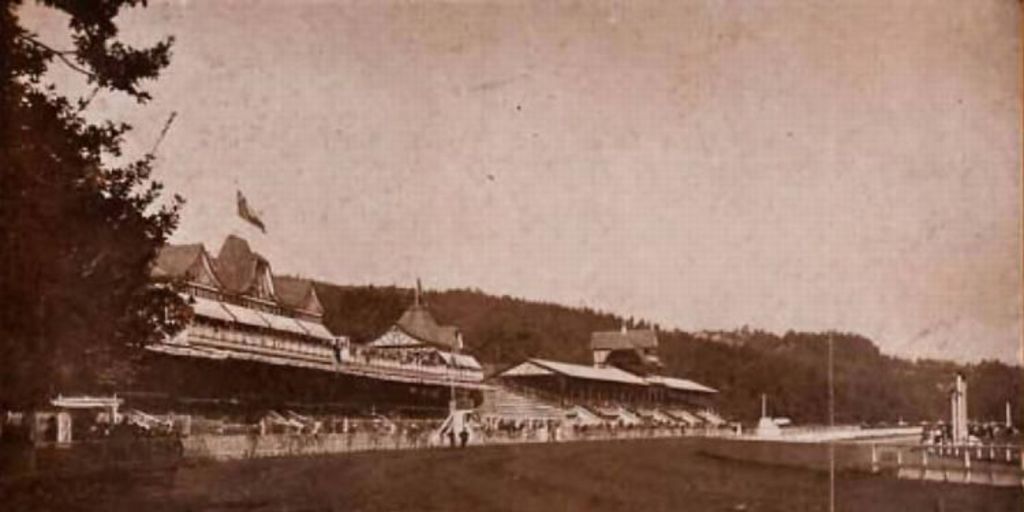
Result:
{"points": [[766, 426], [958, 409]]}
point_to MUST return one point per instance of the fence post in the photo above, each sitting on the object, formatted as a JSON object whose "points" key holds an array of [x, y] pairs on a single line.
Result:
{"points": [[967, 465], [874, 458]]}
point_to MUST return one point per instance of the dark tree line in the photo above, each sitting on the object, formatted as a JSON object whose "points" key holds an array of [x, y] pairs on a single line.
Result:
{"points": [[77, 230], [870, 386]]}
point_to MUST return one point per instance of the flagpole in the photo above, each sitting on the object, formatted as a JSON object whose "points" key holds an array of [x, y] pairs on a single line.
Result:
{"points": [[831, 425]]}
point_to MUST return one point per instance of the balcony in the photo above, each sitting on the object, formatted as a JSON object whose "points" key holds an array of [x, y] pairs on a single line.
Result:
{"points": [[219, 340]]}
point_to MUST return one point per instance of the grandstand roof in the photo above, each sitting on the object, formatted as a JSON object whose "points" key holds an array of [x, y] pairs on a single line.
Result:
{"points": [[211, 309], [420, 324], [577, 371], [623, 340], [315, 329], [537, 367], [176, 260], [237, 265], [246, 315], [461, 360], [297, 293], [680, 384]]}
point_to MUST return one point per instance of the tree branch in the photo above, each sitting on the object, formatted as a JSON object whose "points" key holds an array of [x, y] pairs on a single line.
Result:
{"points": [[84, 102], [62, 55]]}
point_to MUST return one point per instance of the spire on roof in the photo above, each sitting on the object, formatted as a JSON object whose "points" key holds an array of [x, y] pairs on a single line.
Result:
{"points": [[419, 291]]}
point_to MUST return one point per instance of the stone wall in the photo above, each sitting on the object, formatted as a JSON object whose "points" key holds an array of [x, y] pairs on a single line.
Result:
{"points": [[231, 447]]}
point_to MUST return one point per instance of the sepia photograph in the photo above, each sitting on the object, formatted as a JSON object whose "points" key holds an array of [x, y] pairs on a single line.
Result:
{"points": [[511, 255]]}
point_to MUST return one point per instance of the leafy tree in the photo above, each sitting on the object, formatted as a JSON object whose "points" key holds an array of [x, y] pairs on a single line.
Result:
{"points": [[77, 232]]}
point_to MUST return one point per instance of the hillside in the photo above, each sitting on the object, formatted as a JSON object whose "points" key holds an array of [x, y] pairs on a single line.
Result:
{"points": [[870, 386]]}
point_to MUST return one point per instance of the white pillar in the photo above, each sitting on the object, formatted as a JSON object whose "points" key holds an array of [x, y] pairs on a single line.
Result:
{"points": [[963, 408], [954, 416], [958, 412]]}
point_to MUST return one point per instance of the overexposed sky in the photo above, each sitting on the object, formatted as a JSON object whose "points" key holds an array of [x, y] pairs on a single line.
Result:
{"points": [[704, 164]]}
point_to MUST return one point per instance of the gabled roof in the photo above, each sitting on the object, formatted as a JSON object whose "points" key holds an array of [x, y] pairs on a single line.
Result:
{"points": [[680, 384], [539, 367], [237, 265], [297, 293], [461, 360], [606, 374], [623, 340], [420, 324], [448, 335], [174, 261], [190, 262]]}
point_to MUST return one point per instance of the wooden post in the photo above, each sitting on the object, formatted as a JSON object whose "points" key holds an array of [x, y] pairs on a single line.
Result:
{"points": [[967, 465], [831, 425], [874, 458]]}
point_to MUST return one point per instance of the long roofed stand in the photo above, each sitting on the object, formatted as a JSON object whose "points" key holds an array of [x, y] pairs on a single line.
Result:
{"points": [[256, 350], [258, 341], [620, 388]]}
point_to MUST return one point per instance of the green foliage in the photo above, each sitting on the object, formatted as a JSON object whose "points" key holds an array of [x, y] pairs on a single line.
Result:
{"points": [[78, 233], [792, 369]]}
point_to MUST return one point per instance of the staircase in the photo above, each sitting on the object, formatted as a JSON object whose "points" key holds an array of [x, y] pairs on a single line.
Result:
{"points": [[712, 417], [580, 415], [627, 417], [685, 416], [656, 415], [505, 403]]}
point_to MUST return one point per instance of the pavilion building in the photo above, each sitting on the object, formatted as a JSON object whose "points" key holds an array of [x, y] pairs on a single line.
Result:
{"points": [[622, 384], [259, 341], [417, 338]]}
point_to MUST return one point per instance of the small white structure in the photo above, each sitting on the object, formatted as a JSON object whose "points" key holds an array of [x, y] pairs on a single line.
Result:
{"points": [[958, 409], [766, 426]]}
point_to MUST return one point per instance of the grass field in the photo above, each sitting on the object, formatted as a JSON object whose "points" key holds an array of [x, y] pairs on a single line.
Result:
{"points": [[598, 476]]}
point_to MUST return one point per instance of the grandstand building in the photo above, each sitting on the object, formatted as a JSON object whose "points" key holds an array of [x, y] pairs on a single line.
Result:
{"points": [[417, 336], [621, 387], [257, 341]]}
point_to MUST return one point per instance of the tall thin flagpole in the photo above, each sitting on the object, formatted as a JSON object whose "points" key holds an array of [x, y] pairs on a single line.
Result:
{"points": [[831, 424]]}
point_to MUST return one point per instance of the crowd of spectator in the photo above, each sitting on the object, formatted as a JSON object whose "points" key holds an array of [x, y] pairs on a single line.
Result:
{"points": [[978, 433], [370, 355]]}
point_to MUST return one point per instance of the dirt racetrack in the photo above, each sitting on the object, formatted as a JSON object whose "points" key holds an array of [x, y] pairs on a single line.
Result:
{"points": [[596, 476]]}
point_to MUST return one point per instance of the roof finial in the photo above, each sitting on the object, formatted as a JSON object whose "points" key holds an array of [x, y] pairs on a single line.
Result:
{"points": [[419, 292]]}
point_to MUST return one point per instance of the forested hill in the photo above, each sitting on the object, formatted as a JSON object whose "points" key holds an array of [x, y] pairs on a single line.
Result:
{"points": [[870, 386]]}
